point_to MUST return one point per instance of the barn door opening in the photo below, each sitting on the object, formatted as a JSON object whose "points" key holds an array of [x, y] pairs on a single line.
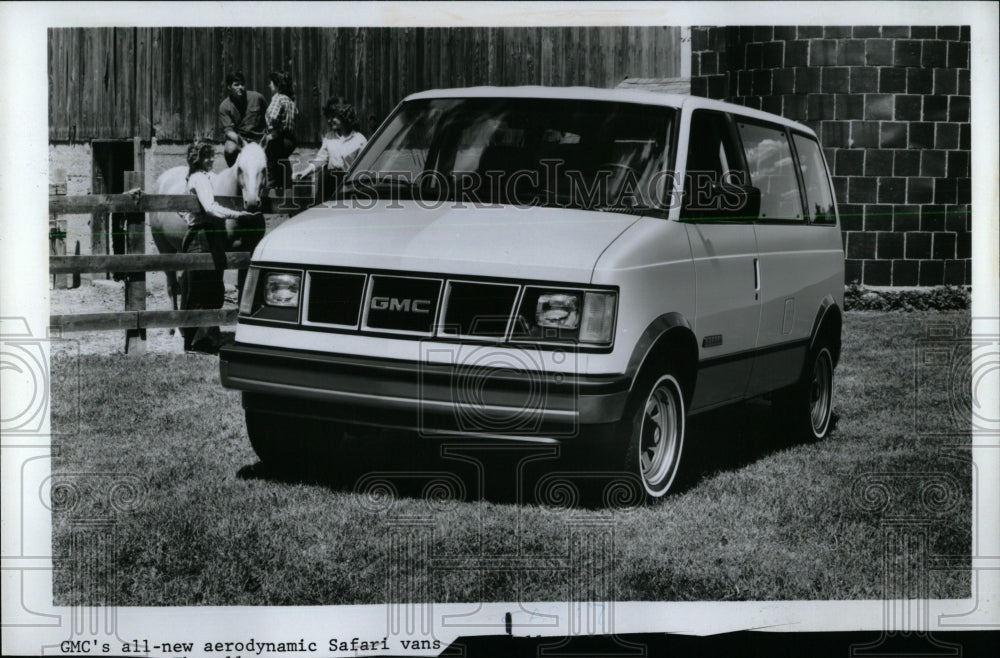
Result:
{"points": [[111, 159]]}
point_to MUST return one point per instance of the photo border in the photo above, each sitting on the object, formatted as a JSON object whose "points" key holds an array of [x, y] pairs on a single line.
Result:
{"points": [[38, 627]]}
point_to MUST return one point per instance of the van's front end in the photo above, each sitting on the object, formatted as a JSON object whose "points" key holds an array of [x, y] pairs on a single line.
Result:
{"points": [[420, 319]]}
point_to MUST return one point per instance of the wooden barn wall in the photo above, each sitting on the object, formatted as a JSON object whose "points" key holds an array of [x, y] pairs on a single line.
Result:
{"points": [[123, 82]]}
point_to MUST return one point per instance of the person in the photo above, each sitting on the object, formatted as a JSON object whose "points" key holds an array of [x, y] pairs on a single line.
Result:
{"points": [[279, 142], [241, 116], [341, 146], [206, 233]]}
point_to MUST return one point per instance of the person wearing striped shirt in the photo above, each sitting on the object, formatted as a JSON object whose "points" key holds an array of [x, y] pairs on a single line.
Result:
{"points": [[279, 142]]}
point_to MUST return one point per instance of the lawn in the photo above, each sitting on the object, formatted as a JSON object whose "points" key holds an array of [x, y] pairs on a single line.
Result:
{"points": [[158, 498]]}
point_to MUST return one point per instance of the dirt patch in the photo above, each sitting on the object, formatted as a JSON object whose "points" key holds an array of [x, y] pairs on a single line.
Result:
{"points": [[104, 295]]}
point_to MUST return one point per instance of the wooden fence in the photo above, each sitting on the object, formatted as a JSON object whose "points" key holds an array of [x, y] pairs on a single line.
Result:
{"points": [[135, 319]]}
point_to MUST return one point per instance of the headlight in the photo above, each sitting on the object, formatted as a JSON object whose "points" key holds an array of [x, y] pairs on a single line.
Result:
{"points": [[558, 310], [566, 315], [282, 289]]}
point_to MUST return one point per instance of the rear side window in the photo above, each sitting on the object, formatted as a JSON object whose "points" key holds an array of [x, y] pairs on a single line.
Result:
{"points": [[819, 197], [772, 171]]}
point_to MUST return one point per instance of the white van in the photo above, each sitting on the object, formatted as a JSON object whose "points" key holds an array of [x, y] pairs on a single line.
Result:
{"points": [[568, 265]]}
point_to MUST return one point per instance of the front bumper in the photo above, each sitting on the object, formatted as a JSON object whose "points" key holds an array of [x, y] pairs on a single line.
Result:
{"points": [[434, 399]]}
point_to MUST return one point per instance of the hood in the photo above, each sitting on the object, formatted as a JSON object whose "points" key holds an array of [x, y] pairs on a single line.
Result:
{"points": [[527, 243]]}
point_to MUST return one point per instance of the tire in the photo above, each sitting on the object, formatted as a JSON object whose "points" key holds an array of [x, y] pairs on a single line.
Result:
{"points": [[655, 423], [294, 445], [807, 407]]}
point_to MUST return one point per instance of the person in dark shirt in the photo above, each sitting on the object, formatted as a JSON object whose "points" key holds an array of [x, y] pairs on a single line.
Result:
{"points": [[241, 116]]}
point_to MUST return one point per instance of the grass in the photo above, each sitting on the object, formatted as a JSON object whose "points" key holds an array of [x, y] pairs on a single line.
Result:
{"points": [[762, 518]]}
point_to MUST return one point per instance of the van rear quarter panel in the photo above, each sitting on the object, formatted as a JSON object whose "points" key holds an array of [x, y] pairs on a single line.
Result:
{"points": [[800, 265], [651, 264], [804, 263]]}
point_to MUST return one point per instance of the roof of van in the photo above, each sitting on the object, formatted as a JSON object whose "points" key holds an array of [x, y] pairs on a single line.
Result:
{"points": [[595, 94]]}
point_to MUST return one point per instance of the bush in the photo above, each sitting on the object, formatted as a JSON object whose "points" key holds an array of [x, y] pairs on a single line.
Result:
{"points": [[940, 298]]}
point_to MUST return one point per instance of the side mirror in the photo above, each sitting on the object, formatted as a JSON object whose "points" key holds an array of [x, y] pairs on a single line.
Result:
{"points": [[723, 201], [741, 201]]}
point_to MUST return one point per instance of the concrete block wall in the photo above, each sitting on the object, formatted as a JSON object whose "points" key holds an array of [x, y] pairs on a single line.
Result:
{"points": [[891, 107]]}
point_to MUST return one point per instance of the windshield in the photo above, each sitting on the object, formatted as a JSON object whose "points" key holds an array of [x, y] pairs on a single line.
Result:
{"points": [[543, 152]]}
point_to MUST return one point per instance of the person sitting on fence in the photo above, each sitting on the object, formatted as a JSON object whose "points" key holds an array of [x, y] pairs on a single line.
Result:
{"points": [[241, 116], [279, 142], [341, 146], [207, 233]]}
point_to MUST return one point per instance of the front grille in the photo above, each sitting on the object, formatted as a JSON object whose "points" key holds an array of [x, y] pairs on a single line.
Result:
{"points": [[335, 298], [479, 310], [421, 306], [407, 304]]}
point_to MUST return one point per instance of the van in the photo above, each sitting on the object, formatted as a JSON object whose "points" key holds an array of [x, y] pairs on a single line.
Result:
{"points": [[576, 266]]}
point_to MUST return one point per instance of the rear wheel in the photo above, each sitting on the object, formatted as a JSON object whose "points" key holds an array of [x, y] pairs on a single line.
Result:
{"points": [[655, 426], [808, 405]]}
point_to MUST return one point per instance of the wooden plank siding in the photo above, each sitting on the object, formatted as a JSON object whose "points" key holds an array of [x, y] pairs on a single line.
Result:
{"points": [[119, 83], [142, 96]]}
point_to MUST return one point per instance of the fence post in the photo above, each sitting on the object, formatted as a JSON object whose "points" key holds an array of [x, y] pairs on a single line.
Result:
{"points": [[57, 228], [76, 275], [135, 282], [99, 220]]}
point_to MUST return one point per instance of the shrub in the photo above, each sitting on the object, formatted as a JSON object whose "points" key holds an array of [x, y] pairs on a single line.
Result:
{"points": [[939, 298]]}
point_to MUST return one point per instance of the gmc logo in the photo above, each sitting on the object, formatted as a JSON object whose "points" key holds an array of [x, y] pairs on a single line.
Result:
{"points": [[406, 305]]}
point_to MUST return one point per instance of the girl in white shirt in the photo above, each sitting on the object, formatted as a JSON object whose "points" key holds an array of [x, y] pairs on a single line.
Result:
{"points": [[341, 145], [207, 232]]}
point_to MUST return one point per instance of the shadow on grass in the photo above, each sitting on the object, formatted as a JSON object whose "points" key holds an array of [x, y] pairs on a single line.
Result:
{"points": [[733, 437], [405, 465]]}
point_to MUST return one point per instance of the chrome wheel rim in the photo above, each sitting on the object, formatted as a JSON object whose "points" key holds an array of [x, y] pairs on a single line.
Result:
{"points": [[821, 392], [660, 436]]}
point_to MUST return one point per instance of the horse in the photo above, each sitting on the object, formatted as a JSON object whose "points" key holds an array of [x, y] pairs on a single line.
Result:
{"points": [[246, 176]]}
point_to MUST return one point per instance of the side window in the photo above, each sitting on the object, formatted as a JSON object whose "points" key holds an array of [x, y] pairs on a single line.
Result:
{"points": [[819, 196], [771, 169], [712, 158]]}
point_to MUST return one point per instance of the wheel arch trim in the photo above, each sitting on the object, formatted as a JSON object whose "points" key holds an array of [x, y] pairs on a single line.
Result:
{"points": [[665, 327], [828, 311]]}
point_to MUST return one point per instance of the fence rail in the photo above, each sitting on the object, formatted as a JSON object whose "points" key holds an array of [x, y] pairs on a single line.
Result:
{"points": [[91, 203], [144, 263], [142, 320], [135, 319]]}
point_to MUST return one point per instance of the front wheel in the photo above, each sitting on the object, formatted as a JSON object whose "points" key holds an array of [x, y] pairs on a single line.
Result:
{"points": [[294, 445], [656, 428]]}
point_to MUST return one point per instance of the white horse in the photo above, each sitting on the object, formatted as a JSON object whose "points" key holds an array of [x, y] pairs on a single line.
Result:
{"points": [[246, 177]]}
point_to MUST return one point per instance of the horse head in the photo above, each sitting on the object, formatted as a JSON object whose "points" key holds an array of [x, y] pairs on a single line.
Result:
{"points": [[251, 165]]}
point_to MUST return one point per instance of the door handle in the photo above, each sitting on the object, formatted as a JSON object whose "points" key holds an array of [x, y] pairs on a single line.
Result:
{"points": [[756, 277]]}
